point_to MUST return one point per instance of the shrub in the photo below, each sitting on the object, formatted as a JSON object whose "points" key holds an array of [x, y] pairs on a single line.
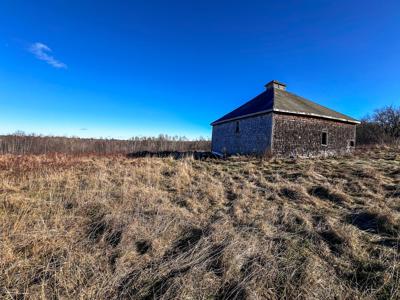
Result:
{"points": [[383, 127]]}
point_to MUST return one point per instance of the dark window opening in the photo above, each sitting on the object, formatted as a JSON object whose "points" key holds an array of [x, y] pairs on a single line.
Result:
{"points": [[351, 143], [237, 127], [324, 138]]}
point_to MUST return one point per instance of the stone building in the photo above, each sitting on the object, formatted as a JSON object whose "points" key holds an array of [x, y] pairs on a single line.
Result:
{"points": [[282, 123]]}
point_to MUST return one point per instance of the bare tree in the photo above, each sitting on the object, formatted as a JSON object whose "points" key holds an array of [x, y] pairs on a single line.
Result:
{"points": [[388, 119], [382, 127], [21, 143]]}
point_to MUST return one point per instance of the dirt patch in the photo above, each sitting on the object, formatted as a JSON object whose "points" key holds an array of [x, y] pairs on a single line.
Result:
{"points": [[231, 195], [69, 205], [391, 187], [293, 176], [253, 266], [324, 193], [373, 223], [114, 237], [137, 284], [96, 226], [163, 284], [112, 260], [363, 174], [190, 238], [143, 246], [367, 275], [216, 264], [395, 173], [231, 291], [291, 194], [389, 242], [393, 191], [334, 240], [48, 271], [126, 288]]}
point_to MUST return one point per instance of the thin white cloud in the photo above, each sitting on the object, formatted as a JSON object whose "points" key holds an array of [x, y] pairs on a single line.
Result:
{"points": [[42, 52]]}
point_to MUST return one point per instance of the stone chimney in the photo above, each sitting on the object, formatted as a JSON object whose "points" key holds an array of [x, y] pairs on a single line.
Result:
{"points": [[276, 85]]}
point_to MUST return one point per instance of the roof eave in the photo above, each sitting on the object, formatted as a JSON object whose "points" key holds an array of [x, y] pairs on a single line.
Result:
{"points": [[241, 117], [288, 112], [317, 115]]}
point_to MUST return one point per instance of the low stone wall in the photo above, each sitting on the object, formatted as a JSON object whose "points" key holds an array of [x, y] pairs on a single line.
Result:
{"points": [[296, 135]]}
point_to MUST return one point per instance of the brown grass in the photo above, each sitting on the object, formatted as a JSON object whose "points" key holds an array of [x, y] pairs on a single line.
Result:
{"points": [[94, 227]]}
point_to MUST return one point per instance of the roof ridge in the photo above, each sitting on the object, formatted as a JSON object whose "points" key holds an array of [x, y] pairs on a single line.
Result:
{"points": [[256, 105], [279, 100], [309, 104], [273, 99]]}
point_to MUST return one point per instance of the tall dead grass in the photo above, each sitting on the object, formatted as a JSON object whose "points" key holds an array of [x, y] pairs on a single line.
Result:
{"points": [[96, 227]]}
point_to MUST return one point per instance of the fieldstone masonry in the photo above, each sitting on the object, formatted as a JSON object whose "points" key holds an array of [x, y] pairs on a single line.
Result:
{"points": [[283, 135], [302, 136], [284, 124], [252, 137]]}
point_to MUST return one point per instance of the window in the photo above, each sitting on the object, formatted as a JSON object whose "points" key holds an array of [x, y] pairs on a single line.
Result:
{"points": [[324, 138], [237, 130], [351, 143]]}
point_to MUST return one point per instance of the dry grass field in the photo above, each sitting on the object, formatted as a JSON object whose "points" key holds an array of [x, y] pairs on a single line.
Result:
{"points": [[109, 227]]}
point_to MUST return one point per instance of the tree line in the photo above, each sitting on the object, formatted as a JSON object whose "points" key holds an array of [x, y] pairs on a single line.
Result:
{"points": [[381, 127], [21, 143]]}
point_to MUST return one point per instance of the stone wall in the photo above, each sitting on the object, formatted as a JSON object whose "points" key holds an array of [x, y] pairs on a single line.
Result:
{"points": [[300, 135], [254, 136]]}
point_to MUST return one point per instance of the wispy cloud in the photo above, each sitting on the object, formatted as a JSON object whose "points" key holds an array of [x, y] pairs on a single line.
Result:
{"points": [[42, 52]]}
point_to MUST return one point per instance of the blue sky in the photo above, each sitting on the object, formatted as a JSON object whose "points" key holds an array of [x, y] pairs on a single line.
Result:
{"points": [[126, 68]]}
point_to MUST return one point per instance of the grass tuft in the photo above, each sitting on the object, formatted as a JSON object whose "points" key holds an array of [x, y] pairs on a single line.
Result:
{"points": [[110, 227]]}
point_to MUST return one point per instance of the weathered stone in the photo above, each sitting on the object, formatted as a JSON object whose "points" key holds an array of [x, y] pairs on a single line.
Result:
{"points": [[253, 137], [283, 134], [282, 123], [296, 135]]}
